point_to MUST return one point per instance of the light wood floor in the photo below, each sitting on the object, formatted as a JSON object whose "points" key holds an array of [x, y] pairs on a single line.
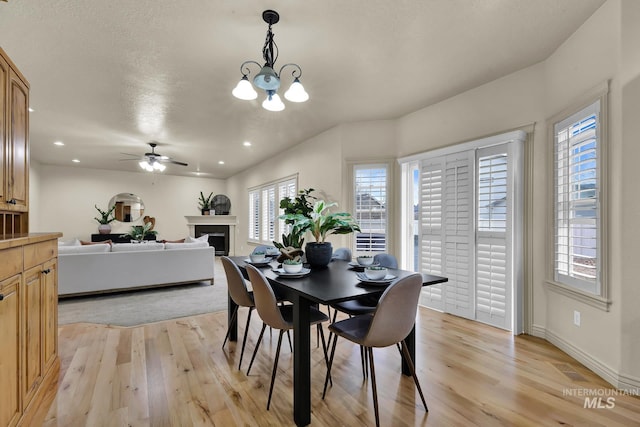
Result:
{"points": [[175, 373]]}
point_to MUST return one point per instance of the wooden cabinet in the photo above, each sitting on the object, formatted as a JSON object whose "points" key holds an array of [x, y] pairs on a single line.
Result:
{"points": [[29, 361], [14, 148], [10, 409]]}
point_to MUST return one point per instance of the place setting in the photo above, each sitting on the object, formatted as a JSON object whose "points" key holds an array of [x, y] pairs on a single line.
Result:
{"points": [[362, 262], [258, 259], [375, 275], [292, 269]]}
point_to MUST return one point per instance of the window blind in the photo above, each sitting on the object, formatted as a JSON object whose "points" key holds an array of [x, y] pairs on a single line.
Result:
{"points": [[371, 207]]}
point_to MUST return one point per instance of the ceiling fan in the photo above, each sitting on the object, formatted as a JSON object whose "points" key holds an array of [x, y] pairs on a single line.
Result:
{"points": [[154, 161]]}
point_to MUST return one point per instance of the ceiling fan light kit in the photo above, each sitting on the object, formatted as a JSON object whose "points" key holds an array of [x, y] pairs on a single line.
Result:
{"points": [[154, 161], [267, 79]]}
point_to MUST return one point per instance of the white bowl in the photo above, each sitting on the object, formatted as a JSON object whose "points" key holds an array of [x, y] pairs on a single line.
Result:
{"points": [[292, 268], [375, 273], [257, 257], [365, 260]]}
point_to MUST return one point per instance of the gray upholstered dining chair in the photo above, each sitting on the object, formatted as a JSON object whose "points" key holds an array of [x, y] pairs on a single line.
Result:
{"points": [[278, 317], [342, 253], [239, 293], [390, 324], [386, 260]]}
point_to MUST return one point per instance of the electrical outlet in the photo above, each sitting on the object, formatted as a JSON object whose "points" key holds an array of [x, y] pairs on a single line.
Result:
{"points": [[576, 318]]}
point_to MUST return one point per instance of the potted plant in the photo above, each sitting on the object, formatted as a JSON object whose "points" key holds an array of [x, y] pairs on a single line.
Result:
{"points": [[322, 223], [291, 245], [205, 203], [105, 219], [138, 232]]}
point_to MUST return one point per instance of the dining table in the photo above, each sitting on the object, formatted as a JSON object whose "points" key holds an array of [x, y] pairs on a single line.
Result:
{"points": [[335, 283]]}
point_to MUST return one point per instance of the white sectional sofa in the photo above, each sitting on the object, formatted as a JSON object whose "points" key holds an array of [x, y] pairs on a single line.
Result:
{"points": [[85, 269]]}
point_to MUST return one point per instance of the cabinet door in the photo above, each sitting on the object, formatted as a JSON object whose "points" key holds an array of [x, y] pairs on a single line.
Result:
{"points": [[50, 312], [4, 84], [18, 150], [32, 357], [10, 355]]}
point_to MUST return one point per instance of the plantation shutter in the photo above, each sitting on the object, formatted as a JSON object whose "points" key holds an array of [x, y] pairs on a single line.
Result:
{"points": [[458, 226], [371, 207], [268, 213], [430, 229], [254, 215], [576, 205], [494, 224], [286, 189]]}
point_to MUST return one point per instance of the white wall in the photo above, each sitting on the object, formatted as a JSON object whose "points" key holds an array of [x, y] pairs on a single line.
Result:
{"points": [[64, 199], [628, 200]]}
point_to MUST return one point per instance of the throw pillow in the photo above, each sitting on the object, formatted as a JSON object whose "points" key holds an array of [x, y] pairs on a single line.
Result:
{"points": [[203, 238], [104, 242]]}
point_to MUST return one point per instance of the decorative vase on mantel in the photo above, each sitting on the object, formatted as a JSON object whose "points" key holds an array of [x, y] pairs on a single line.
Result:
{"points": [[104, 228], [318, 254]]}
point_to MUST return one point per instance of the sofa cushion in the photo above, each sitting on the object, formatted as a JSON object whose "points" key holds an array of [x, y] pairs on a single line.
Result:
{"points": [[83, 249], [134, 247], [186, 245], [74, 242]]}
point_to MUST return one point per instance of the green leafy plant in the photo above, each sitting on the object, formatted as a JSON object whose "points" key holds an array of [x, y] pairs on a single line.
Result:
{"points": [[294, 261], [105, 216], [302, 204], [321, 222], [138, 232], [205, 202]]}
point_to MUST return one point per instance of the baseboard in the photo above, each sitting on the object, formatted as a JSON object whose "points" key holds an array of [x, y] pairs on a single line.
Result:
{"points": [[619, 381]]}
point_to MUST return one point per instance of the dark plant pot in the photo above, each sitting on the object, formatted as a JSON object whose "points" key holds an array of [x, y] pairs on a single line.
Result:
{"points": [[205, 211], [318, 254]]}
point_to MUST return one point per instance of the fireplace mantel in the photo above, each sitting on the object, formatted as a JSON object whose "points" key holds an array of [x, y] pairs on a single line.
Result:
{"points": [[229, 220]]}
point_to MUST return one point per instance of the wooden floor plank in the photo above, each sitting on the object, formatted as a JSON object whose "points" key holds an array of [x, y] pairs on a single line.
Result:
{"points": [[176, 373]]}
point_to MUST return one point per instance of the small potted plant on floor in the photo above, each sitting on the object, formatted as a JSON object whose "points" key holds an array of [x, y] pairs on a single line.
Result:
{"points": [[105, 219]]}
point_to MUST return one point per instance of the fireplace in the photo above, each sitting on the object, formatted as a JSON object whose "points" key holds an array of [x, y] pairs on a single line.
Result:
{"points": [[218, 237], [220, 228]]}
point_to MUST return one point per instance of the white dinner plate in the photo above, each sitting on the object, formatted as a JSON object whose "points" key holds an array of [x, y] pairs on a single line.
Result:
{"points": [[281, 273], [387, 279]]}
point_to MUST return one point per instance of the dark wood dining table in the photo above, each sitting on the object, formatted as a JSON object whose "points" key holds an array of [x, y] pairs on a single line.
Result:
{"points": [[335, 283]]}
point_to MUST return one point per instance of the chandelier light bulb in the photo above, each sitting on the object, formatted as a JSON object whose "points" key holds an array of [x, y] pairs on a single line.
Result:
{"points": [[159, 166], [273, 102], [296, 92], [244, 90]]}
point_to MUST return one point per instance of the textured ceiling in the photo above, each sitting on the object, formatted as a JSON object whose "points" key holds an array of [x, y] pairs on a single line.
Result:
{"points": [[109, 76]]}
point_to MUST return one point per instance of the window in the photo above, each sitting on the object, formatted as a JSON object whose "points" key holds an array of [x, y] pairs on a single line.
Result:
{"points": [[577, 191], [264, 209], [370, 201]]}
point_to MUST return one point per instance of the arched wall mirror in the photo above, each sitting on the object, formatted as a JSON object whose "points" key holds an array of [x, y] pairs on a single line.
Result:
{"points": [[129, 207]]}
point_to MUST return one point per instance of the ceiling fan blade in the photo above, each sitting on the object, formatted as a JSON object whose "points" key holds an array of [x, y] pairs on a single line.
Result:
{"points": [[175, 162], [133, 155]]}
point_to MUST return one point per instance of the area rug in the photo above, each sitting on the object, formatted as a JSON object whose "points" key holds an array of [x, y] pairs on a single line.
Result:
{"points": [[146, 306]]}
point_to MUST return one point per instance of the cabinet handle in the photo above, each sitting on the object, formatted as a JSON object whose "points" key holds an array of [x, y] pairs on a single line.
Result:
{"points": [[12, 202], [1, 297], [46, 271]]}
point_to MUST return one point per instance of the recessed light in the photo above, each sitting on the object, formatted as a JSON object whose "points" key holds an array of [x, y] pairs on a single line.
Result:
{"points": [[221, 162], [58, 143], [75, 161], [31, 110], [246, 144]]}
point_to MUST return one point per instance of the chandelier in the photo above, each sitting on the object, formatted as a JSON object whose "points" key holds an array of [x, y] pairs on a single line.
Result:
{"points": [[267, 79]]}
